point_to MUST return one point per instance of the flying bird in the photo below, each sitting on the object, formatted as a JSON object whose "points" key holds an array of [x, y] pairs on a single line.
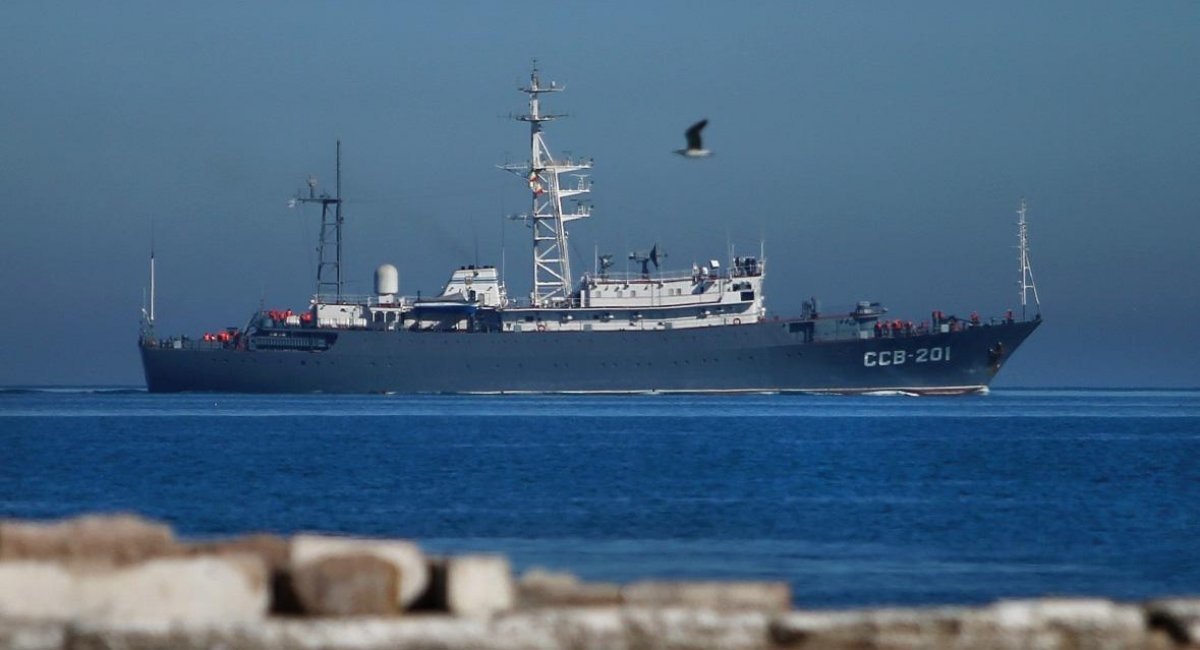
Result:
{"points": [[695, 149]]}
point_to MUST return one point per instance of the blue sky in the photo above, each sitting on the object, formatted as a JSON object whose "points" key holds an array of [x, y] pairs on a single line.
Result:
{"points": [[879, 149]]}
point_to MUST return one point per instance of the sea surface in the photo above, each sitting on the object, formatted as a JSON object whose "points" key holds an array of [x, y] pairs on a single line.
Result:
{"points": [[855, 501]]}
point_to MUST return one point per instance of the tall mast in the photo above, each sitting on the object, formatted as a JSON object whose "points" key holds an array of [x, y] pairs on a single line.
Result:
{"points": [[551, 258], [329, 272], [151, 283], [1027, 284], [147, 325]]}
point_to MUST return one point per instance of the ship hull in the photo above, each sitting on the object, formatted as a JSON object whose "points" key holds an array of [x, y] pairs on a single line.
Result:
{"points": [[762, 357]]}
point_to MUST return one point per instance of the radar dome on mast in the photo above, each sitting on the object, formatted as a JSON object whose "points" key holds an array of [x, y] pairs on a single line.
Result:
{"points": [[387, 280]]}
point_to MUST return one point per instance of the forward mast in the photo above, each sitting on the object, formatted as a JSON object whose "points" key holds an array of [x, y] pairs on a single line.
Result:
{"points": [[552, 281], [1027, 284]]}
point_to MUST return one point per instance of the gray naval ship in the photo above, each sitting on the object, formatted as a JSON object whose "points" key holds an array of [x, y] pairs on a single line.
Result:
{"points": [[701, 329]]}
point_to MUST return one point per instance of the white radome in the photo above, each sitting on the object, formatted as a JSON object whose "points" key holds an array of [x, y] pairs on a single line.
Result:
{"points": [[387, 280]]}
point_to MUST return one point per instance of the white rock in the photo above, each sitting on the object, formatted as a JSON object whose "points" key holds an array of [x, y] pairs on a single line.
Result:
{"points": [[763, 596], [37, 590], [32, 635], [478, 585], [185, 590]]}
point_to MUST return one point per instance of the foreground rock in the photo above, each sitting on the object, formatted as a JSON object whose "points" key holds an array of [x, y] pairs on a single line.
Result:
{"points": [[272, 593], [540, 588], [99, 539], [347, 585], [406, 558], [174, 590]]}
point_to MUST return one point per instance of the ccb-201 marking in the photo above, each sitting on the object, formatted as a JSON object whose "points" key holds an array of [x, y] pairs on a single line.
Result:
{"points": [[900, 357]]}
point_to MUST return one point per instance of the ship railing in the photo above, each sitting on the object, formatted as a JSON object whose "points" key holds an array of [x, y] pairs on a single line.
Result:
{"points": [[369, 300], [186, 343], [555, 303], [665, 276]]}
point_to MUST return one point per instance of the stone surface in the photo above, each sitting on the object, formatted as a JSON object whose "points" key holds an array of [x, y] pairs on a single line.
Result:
{"points": [[540, 588], [185, 590], [1061, 623], [110, 539], [37, 590], [762, 596], [886, 628], [1177, 618], [273, 550], [18, 634], [405, 557], [275, 553], [1076, 624], [347, 585], [1048, 624], [478, 585], [416, 632], [618, 628]]}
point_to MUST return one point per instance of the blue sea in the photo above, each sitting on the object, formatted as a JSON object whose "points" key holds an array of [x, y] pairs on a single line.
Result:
{"points": [[855, 501]]}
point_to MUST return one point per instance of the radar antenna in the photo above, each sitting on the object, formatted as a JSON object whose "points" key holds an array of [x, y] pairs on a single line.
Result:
{"points": [[605, 263], [552, 282], [1027, 284], [646, 258], [329, 272]]}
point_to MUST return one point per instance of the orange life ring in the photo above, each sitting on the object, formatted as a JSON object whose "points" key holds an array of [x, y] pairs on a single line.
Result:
{"points": [[541, 327], [737, 321]]}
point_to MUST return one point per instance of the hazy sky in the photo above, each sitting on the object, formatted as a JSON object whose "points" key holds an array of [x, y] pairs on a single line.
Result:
{"points": [[879, 149]]}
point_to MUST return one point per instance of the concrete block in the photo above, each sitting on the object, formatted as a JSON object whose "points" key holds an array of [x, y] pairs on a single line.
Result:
{"points": [[347, 585], [541, 588], [185, 590], [725, 596], [479, 585], [405, 557], [37, 590], [110, 539]]}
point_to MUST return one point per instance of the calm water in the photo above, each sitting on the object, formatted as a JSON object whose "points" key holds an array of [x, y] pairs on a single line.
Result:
{"points": [[854, 501]]}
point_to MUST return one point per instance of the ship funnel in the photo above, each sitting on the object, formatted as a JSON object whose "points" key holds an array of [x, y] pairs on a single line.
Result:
{"points": [[387, 280]]}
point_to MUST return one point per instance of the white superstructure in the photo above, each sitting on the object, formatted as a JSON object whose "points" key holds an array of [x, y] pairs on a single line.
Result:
{"points": [[708, 294]]}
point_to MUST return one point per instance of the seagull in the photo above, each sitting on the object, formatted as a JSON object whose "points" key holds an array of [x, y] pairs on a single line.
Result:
{"points": [[694, 148]]}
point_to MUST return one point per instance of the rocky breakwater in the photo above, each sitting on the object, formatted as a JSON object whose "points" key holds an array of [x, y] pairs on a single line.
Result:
{"points": [[124, 583]]}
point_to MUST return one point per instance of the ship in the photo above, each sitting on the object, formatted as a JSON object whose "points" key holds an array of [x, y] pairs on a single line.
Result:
{"points": [[701, 329]]}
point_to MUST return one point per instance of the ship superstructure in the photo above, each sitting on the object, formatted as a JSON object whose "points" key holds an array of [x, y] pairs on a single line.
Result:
{"points": [[703, 328]]}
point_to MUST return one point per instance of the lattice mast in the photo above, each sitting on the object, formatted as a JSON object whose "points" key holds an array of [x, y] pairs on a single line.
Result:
{"points": [[1027, 284], [329, 271], [552, 281]]}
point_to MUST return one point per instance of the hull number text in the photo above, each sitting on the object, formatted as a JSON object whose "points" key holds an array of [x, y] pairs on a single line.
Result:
{"points": [[901, 357]]}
